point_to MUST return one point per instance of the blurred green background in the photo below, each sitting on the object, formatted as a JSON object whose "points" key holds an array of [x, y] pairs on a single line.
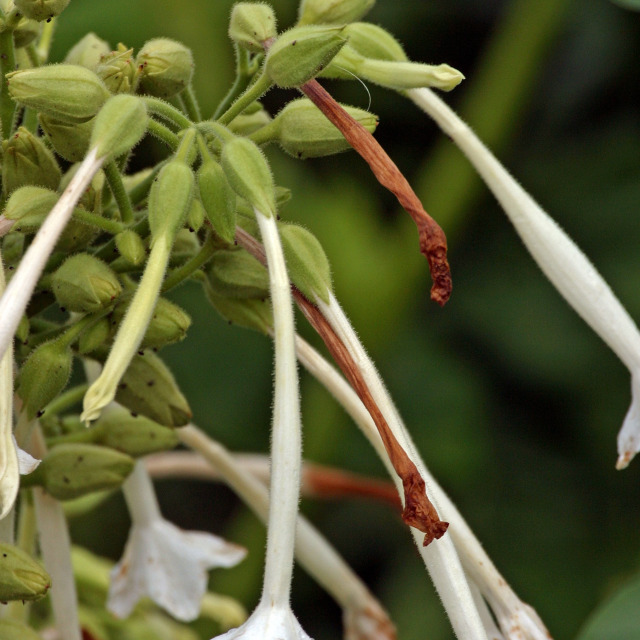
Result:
{"points": [[513, 401]]}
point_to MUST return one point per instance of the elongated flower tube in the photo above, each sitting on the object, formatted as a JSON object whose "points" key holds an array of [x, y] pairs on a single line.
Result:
{"points": [[160, 560], [518, 621], [568, 269]]}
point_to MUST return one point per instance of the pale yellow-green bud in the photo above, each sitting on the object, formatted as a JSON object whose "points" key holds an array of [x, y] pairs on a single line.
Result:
{"points": [[251, 24], [119, 125], [29, 206], [94, 337], [170, 199], [166, 67], [372, 41], [148, 388], [14, 630], [70, 141], [12, 248], [299, 54], [72, 470], [44, 375], [333, 11], [21, 577], [250, 313], [218, 199], [41, 9], [88, 52], [304, 132], [237, 274], [67, 92], [131, 247], [135, 436], [85, 284], [185, 245], [26, 32], [307, 263], [247, 123], [410, 75], [27, 160], [196, 216], [118, 70], [249, 175]]}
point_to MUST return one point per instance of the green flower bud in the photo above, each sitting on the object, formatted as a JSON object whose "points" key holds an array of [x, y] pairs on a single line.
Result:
{"points": [[251, 24], [304, 132], [135, 436], [333, 11], [118, 70], [247, 123], [88, 52], [148, 388], [12, 249], [185, 245], [196, 216], [44, 375], [299, 54], [249, 313], [27, 160], [249, 175], [410, 75], [63, 91], [14, 630], [29, 206], [72, 470], [131, 247], [21, 577], [41, 9], [218, 199], [307, 262], [94, 337], [76, 235], [119, 125], [170, 199], [26, 32], [237, 274], [85, 284], [372, 41], [24, 327], [166, 67], [70, 141]]}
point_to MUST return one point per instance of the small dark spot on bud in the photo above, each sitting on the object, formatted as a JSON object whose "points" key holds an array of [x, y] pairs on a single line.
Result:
{"points": [[150, 383], [122, 385], [11, 268], [278, 218], [140, 352], [134, 414], [49, 18], [4, 555], [63, 309], [293, 44], [40, 413], [65, 479]]}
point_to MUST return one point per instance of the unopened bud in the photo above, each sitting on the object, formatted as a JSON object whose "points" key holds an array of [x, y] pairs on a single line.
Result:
{"points": [[299, 54], [218, 199], [41, 9], [88, 52], [68, 92], [26, 32], [372, 41], [14, 630], [249, 313], [304, 132], [410, 75], [237, 274], [170, 199], [119, 125], [307, 263], [29, 206], [135, 436], [76, 235], [44, 375], [131, 247], [27, 160], [21, 577], [333, 11], [185, 245], [148, 388], [196, 216], [247, 123], [70, 141], [166, 67], [72, 470], [249, 175], [94, 337], [118, 70], [251, 24], [85, 284], [12, 248]]}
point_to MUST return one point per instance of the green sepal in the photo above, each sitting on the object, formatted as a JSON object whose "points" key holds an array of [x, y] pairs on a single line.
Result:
{"points": [[149, 388], [94, 337], [166, 67], [372, 41], [218, 199], [69, 140], [249, 313], [29, 206], [118, 70], [21, 577], [236, 273], [196, 216], [333, 11], [251, 24]]}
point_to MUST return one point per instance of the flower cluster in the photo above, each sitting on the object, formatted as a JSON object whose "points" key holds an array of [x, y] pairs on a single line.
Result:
{"points": [[89, 251]]}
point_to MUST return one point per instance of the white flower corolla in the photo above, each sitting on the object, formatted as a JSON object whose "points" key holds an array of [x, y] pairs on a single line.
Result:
{"points": [[568, 269], [367, 623], [161, 561]]}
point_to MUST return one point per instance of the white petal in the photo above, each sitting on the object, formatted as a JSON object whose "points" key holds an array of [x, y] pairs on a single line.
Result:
{"points": [[629, 435], [371, 623], [26, 462], [169, 566]]}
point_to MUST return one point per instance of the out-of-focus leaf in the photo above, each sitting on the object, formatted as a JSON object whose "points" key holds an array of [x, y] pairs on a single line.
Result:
{"points": [[634, 5]]}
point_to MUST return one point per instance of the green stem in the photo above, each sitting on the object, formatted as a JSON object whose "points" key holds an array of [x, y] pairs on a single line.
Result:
{"points": [[114, 178], [46, 37], [240, 83], [190, 104], [193, 264], [168, 112], [266, 134], [7, 64], [32, 52], [105, 224], [251, 94], [30, 120], [71, 334], [164, 134], [183, 151], [66, 399]]}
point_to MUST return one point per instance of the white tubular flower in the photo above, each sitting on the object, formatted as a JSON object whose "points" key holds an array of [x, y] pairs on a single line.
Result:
{"points": [[160, 560], [557, 255]]}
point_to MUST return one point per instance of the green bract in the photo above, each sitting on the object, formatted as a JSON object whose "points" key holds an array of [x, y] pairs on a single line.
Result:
{"points": [[333, 11], [298, 55], [67, 92], [21, 578], [252, 24]]}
